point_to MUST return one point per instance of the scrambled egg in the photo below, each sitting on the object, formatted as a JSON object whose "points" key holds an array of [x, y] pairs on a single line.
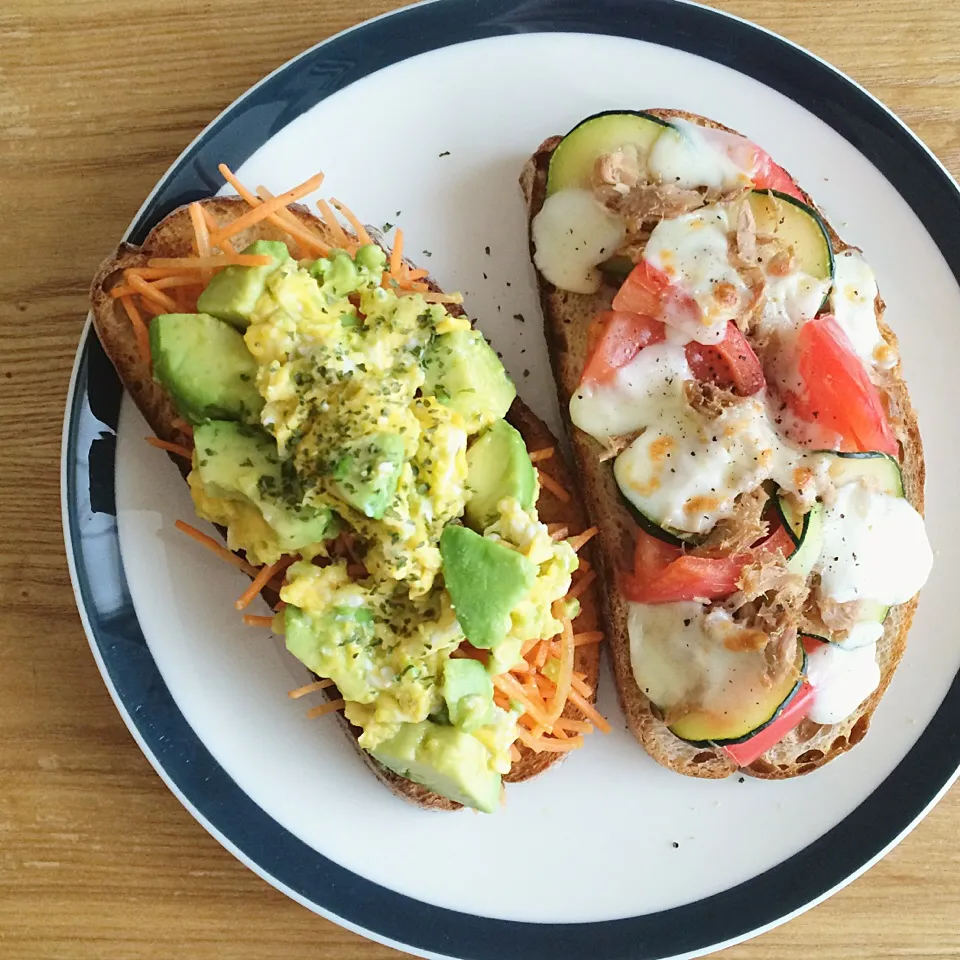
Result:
{"points": [[335, 368]]}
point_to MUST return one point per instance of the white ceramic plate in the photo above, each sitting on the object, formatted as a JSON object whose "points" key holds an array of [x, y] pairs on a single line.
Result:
{"points": [[669, 866]]}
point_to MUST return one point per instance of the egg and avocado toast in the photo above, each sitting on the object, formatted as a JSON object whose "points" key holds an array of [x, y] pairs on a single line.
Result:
{"points": [[361, 449], [744, 441]]}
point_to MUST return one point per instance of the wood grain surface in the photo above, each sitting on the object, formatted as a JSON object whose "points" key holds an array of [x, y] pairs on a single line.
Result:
{"points": [[97, 858]]}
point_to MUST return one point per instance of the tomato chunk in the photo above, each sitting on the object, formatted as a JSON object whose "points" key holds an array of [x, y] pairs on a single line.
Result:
{"points": [[838, 394], [743, 754], [663, 573], [615, 337], [768, 175], [731, 363], [643, 290]]}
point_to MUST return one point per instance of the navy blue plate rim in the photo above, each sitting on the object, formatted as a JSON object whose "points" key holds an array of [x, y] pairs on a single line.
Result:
{"points": [[117, 640]]}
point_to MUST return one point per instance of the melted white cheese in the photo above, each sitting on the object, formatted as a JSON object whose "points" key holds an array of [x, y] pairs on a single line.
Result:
{"points": [[678, 655], [645, 391], [788, 302], [841, 679], [572, 233], [683, 156], [862, 634], [875, 547], [852, 301], [687, 470], [693, 251]]}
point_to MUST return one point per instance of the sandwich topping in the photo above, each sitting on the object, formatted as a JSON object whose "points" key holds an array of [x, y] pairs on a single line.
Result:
{"points": [[743, 388], [348, 432]]}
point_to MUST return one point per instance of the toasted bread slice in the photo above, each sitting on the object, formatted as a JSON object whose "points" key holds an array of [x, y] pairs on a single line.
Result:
{"points": [[566, 319], [173, 237]]}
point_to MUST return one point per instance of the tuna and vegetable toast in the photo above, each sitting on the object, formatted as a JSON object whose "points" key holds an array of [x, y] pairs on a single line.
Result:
{"points": [[743, 440]]}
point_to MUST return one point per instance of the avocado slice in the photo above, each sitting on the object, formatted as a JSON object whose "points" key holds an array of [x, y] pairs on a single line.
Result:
{"points": [[486, 580], [498, 466], [468, 692], [232, 293], [462, 371], [368, 471], [445, 760], [205, 366], [237, 460]]}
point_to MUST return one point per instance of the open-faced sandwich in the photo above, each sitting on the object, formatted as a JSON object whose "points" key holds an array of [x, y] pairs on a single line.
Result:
{"points": [[744, 440], [361, 449]]}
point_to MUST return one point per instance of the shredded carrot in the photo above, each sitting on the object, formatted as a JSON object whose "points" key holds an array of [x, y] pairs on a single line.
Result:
{"points": [[581, 585], [396, 254], [547, 481], [515, 754], [419, 274], [153, 273], [512, 689], [263, 210], [163, 283], [589, 711], [284, 219], [581, 686], [139, 329], [225, 245], [309, 688], [331, 707], [151, 293], [260, 581], [219, 260], [353, 220], [561, 533], [564, 674], [582, 539], [583, 565], [201, 235], [520, 667], [528, 646], [333, 224], [253, 620], [407, 287], [185, 428], [577, 726], [177, 448], [542, 654], [545, 454], [585, 639], [540, 745], [217, 548]]}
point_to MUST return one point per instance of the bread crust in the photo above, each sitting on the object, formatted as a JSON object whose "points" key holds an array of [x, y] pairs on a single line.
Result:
{"points": [[566, 318], [173, 237]]}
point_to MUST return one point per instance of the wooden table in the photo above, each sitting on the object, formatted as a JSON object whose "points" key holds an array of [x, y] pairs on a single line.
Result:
{"points": [[97, 858]]}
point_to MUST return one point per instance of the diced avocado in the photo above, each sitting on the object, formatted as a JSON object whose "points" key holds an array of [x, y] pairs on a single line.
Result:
{"points": [[340, 274], [498, 466], [234, 459], [233, 292], [444, 759], [206, 367], [324, 643], [462, 371], [367, 473], [486, 580], [468, 692]]}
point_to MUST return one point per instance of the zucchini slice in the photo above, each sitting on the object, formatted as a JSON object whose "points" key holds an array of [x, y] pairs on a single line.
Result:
{"points": [[796, 225], [806, 530], [676, 538], [572, 162], [708, 729], [877, 470]]}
